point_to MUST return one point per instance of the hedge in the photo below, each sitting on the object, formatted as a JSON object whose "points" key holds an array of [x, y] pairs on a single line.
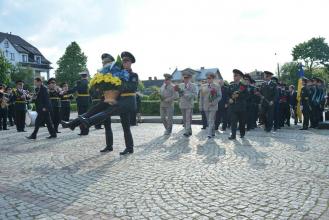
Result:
{"points": [[147, 108]]}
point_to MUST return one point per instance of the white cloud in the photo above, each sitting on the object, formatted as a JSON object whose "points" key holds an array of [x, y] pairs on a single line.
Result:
{"points": [[168, 34]]}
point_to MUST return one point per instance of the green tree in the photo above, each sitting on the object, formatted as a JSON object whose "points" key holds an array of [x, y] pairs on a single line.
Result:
{"points": [[70, 64], [155, 94], [4, 69], [289, 73], [141, 86], [22, 73], [313, 53]]}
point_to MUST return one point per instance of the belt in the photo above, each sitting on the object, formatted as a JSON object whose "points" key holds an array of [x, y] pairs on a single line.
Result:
{"points": [[20, 102], [96, 100], [54, 98], [128, 94], [65, 100], [83, 94]]}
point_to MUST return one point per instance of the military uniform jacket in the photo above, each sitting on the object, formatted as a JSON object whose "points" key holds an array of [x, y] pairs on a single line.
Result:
{"points": [[268, 91], [19, 99], [42, 99], [167, 95], [187, 95], [207, 102], [239, 103], [55, 98], [66, 100], [250, 94], [82, 90], [128, 103], [305, 97]]}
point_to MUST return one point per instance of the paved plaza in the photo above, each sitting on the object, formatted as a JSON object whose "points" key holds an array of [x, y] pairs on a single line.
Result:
{"points": [[282, 175]]}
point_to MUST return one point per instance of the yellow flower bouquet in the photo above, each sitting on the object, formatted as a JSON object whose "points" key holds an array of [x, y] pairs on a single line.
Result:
{"points": [[108, 84]]}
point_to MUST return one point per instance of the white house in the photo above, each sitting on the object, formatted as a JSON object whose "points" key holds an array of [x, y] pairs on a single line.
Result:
{"points": [[197, 75], [18, 51]]}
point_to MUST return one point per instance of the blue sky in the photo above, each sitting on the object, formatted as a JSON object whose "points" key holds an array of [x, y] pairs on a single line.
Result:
{"points": [[164, 35]]}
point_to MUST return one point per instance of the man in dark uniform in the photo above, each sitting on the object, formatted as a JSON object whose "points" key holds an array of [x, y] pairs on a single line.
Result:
{"points": [[126, 104], [317, 102], [305, 103], [237, 101], [20, 98], [255, 104], [55, 96], [268, 93], [249, 101], [43, 106], [83, 97], [221, 114], [313, 92], [284, 106], [293, 103], [11, 106], [65, 103]]}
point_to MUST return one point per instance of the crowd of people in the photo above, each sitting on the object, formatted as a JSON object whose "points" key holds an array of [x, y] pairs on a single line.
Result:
{"points": [[243, 104], [240, 105]]}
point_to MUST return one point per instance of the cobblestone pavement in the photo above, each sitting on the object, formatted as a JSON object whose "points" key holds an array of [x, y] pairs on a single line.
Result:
{"points": [[281, 175]]}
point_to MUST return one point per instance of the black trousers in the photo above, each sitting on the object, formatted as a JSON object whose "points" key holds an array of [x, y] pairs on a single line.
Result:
{"points": [[42, 118], [20, 119], [249, 116], [11, 114], [255, 111], [306, 116], [132, 119], [108, 111], [108, 132], [238, 116], [268, 116], [56, 117], [221, 117], [284, 114], [3, 118], [65, 113], [82, 109]]}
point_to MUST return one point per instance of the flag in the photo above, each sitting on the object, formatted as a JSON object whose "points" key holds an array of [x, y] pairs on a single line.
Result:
{"points": [[299, 89]]}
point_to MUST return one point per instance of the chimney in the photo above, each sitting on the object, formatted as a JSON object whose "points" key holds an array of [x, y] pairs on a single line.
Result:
{"points": [[155, 78], [150, 78]]}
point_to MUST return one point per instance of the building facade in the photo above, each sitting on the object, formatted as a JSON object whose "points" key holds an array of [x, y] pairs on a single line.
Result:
{"points": [[19, 52]]}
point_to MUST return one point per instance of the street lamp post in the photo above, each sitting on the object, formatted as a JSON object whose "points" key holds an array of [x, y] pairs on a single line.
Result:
{"points": [[278, 65]]}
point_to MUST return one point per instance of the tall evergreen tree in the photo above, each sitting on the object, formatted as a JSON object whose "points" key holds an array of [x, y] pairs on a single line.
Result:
{"points": [[70, 64]]}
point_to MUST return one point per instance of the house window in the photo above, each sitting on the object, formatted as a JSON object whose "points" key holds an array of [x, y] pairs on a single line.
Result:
{"points": [[38, 59], [6, 53], [24, 58], [12, 56], [6, 44]]}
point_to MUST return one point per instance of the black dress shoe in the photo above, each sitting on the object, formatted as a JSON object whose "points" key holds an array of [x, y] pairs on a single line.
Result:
{"points": [[203, 128], [127, 151], [231, 138], [52, 136], [58, 132], [241, 136], [107, 149], [5, 129], [31, 137], [303, 129]]}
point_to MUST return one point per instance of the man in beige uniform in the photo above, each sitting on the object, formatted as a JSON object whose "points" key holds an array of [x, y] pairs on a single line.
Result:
{"points": [[209, 98], [187, 93], [167, 95]]}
